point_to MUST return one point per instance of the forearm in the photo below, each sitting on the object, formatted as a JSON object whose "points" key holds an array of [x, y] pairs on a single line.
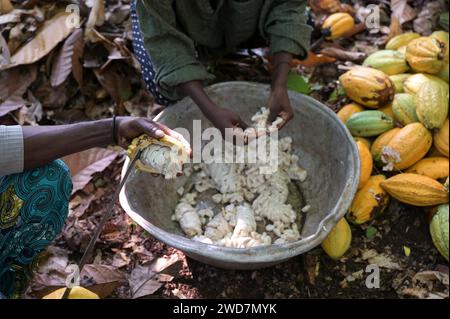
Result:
{"points": [[194, 89], [281, 66], [43, 144]]}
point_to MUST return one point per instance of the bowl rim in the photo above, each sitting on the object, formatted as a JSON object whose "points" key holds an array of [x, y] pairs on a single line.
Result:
{"points": [[260, 254]]}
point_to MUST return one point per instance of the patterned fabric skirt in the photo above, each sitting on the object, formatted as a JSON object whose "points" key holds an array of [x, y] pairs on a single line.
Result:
{"points": [[33, 209], [143, 57]]}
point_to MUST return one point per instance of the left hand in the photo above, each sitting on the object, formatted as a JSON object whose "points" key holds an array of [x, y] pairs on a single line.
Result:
{"points": [[280, 106]]}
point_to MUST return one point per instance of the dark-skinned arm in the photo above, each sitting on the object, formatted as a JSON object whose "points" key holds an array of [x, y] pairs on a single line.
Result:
{"points": [[43, 144], [220, 117], [279, 103]]}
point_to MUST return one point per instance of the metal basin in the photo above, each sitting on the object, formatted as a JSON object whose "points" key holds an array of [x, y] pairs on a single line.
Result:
{"points": [[326, 150]]}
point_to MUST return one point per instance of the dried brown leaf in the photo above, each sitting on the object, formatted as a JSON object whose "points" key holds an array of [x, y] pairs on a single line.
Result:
{"points": [[146, 280], [47, 38], [102, 279], [402, 11], [77, 64], [62, 65], [84, 164], [96, 18], [343, 55], [5, 55]]}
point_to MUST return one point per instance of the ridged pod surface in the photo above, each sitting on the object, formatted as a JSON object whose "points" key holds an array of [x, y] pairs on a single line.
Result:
{"points": [[404, 109], [363, 140], [407, 147], [416, 190], [441, 139], [432, 105], [433, 167], [426, 54], [338, 240], [413, 83], [399, 80], [442, 37], [389, 61], [401, 40], [370, 201], [369, 123], [366, 163], [367, 86], [443, 74], [439, 230], [348, 110], [382, 141], [338, 24]]}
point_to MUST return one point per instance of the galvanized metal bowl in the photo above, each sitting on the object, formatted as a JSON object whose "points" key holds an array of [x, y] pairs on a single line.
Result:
{"points": [[326, 150]]}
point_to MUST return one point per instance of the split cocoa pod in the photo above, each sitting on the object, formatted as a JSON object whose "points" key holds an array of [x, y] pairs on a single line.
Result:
{"points": [[370, 201], [367, 86], [407, 147]]}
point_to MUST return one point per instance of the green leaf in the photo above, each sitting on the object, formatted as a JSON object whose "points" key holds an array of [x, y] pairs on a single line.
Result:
{"points": [[337, 93], [443, 20], [371, 232], [298, 83]]}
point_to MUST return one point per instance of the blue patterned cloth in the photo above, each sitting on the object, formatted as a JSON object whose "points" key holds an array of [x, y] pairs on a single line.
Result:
{"points": [[143, 57], [33, 209]]}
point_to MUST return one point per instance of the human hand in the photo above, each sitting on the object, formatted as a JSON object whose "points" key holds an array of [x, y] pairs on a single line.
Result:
{"points": [[128, 128], [280, 106], [223, 118]]}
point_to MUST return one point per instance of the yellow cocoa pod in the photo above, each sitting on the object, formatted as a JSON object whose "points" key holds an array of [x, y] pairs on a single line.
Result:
{"points": [[76, 293], [338, 240], [416, 190], [337, 25], [441, 139], [398, 80], [387, 109], [432, 105], [442, 37], [403, 50], [382, 141], [348, 110], [426, 54], [366, 164], [401, 40], [433, 167], [407, 147], [370, 201], [369, 87], [413, 83], [443, 74], [364, 140]]}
